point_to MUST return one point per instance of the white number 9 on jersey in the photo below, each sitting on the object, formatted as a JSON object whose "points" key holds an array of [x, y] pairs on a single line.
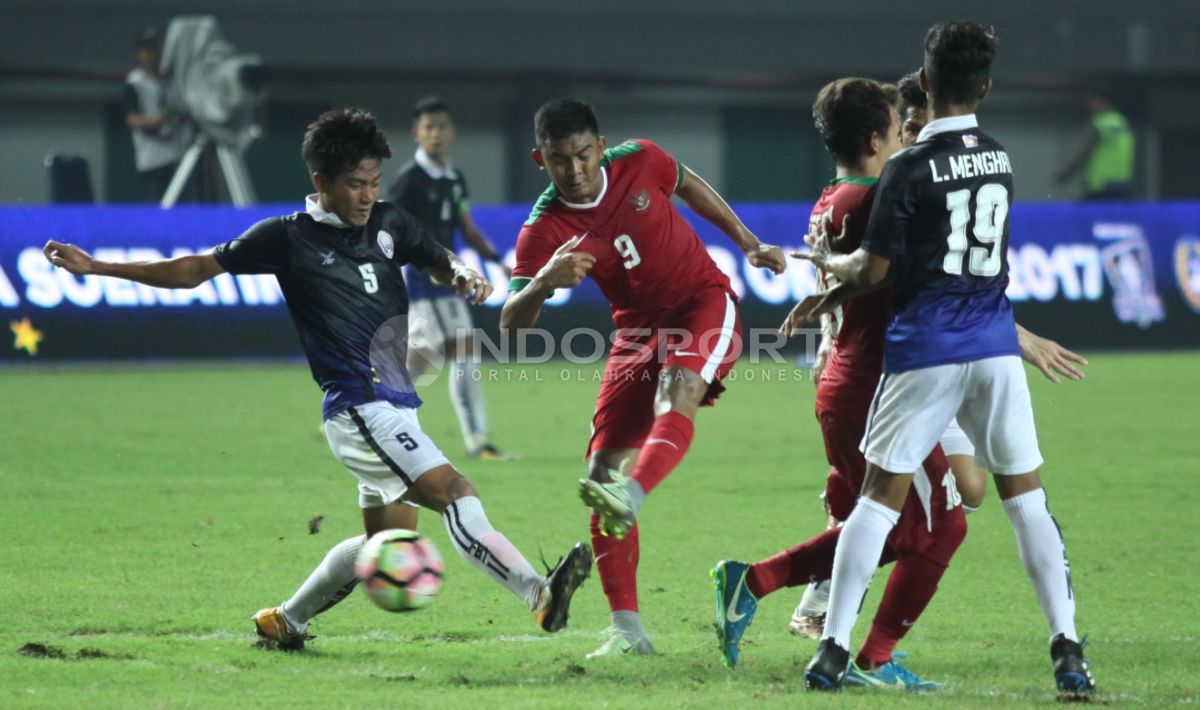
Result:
{"points": [[625, 248]]}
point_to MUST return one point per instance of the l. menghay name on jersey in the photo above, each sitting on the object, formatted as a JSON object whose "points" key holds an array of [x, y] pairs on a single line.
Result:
{"points": [[969, 165]]}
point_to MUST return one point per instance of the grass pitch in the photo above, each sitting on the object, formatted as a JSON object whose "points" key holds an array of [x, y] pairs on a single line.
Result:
{"points": [[148, 511]]}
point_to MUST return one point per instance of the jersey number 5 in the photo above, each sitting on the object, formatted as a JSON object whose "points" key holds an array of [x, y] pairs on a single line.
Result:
{"points": [[370, 283], [625, 248], [991, 209]]}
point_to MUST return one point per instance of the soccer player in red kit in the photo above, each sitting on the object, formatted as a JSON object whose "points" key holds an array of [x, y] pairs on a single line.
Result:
{"points": [[858, 121], [608, 215]]}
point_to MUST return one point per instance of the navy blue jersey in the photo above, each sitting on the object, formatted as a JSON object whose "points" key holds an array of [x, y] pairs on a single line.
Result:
{"points": [[345, 291], [436, 196], [941, 215]]}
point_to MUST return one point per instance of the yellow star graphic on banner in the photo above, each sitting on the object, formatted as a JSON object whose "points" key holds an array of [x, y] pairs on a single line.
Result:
{"points": [[27, 337]]}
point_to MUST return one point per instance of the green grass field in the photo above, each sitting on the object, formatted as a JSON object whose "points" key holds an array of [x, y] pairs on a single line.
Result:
{"points": [[149, 511]]}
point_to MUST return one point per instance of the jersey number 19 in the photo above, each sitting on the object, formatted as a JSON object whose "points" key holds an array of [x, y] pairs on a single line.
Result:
{"points": [[991, 209]]}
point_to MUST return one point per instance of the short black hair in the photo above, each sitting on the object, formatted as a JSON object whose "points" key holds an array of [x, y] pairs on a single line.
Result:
{"points": [[911, 95], [560, 118], [429, 104], [342, 138], [958, 60], [848, 111]]}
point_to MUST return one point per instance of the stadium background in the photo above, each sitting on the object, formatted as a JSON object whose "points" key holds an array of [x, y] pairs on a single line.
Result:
{"points": [[725, 87]]}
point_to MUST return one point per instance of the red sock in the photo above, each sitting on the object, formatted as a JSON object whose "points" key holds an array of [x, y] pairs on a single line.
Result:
{"points": [[617, 561], [910, 587], [665, 446], [811, 560]]}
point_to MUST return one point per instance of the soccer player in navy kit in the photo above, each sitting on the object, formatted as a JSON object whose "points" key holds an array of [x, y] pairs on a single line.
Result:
{"points": [[939, 225], [434, 191], [339, 265]]}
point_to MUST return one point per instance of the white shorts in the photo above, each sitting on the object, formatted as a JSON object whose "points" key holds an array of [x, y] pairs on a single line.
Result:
{"points": [[385, 449], [433, 321], [955, 442], [989, 397]]}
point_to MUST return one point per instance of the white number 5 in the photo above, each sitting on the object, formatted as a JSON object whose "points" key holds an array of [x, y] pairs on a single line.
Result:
{"points": [[369, 281], [625, 248]]}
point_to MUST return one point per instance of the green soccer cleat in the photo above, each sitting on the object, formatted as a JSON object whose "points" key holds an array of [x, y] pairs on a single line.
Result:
{"points": [[889, 676], [611, 501], [617, 643]]}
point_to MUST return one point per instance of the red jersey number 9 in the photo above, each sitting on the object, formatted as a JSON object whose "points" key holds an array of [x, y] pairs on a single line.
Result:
{"points": [[625, 248]]}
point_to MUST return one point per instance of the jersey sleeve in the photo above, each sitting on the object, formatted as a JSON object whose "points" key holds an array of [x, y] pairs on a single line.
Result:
{"points": [[414, 244], [534, 251], [890, 212], [664, 168], [262, 249]]}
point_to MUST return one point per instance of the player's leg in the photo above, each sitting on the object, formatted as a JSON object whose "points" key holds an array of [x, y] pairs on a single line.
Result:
{"points": [[970, 479], [689, 378], [384, 447], [932, 527], [426, 339], [908, 406], [465, 380], [998, 416]]}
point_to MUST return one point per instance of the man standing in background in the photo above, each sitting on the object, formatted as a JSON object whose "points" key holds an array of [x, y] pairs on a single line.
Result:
{"points": [[1106, 154], [431, 189], [159, 137]]}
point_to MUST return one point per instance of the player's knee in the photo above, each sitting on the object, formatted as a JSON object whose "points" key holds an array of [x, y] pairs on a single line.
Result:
{"points": [[439, 487]]}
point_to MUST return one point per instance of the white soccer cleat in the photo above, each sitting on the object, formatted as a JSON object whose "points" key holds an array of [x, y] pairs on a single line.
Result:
{"points": [[617, 643], [611, 501]]}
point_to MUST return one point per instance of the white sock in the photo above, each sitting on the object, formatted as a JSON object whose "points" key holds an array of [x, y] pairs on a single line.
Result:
{"points": [[466, 395], [1044, 555], [628, 623], [967, 510], [854, 563], [815, 599], [331, 582], [489, 551]]}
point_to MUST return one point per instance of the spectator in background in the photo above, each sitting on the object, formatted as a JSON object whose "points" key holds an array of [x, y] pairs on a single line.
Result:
{"points": [[159, 137], [1105, 156]]}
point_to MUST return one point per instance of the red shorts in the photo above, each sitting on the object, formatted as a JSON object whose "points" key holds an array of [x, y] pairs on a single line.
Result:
{"points": [[703, 335], [842, 413]]}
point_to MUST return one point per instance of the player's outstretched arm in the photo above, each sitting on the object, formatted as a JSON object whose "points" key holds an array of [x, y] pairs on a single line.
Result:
{"points": [[704, 201], [466, 282], [859, 268], [566, 269], [1049, 357], [180, 272]]}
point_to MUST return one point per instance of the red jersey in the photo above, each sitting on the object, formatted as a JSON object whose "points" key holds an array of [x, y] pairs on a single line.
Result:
{"points": [[648, 258], [858, 325]]}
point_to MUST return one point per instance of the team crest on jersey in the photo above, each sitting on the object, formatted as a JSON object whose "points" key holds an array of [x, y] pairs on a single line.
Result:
{"points": [[386, 244], [969, 140], [1187, 269], [641, 201]]}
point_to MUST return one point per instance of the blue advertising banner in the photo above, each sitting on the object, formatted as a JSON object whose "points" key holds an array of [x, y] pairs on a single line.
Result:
{"points": [[1090, 275]]}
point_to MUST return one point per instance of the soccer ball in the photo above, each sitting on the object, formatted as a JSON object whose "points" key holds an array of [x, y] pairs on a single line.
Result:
{"points": [[401, 570]]}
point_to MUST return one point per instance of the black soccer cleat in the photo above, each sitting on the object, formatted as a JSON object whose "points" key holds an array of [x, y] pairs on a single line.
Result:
{"points": [[560, 583], [826, 670], [1072, 674]]}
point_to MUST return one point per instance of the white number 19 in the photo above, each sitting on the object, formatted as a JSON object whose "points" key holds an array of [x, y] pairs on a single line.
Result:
{"points": [[991, 210]]}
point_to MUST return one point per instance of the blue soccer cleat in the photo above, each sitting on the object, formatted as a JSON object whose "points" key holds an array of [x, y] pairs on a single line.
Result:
{"points": [[891, 675], [735, 607]]}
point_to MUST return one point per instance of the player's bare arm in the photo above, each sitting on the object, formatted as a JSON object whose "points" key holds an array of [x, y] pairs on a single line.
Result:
{"points": [[1048, 356], [478, 241], [822, 303], [704, 201], [566, 269], [180, 272], [465, 281]]}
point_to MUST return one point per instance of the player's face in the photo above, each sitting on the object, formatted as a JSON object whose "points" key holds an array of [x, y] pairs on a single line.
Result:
{"points": [[434, 132], [574, 165], [352, 193], [911, 123]]}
